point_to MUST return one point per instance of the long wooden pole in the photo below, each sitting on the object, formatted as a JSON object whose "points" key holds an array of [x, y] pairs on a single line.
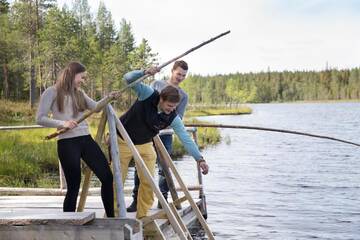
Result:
{"points": [[200, 179], [98, 108], [108, 99], [271, 130]]}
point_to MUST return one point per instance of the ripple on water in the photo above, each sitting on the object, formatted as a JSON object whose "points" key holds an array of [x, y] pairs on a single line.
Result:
{"points": [[278, 186]]}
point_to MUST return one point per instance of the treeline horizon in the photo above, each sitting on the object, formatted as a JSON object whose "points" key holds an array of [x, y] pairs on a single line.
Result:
{"points": [[276, 86], [38, 39]]}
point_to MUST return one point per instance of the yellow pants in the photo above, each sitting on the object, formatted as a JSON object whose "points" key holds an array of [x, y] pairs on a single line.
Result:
{"points": [[145, 198]]}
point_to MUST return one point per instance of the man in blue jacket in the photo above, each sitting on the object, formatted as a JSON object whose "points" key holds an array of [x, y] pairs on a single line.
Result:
{"points": [[151, 112], [178, 74]]}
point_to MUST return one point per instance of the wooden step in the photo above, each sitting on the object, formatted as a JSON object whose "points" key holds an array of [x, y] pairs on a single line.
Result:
{"points": [[34, 218]]}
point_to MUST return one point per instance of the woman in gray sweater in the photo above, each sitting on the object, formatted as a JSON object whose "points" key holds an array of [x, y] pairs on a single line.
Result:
{"points": [[67, 102]]}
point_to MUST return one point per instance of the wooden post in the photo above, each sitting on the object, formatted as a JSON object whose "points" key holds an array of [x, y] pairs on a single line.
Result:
{"points": [[185, 190], [168, 177], [201, 190], [88, 173], [142, 167], [114, 151]]}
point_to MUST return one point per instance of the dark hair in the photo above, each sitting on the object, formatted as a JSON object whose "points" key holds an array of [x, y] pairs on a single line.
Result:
{"points": [[181, 64], [171, 94], [65, 86]]}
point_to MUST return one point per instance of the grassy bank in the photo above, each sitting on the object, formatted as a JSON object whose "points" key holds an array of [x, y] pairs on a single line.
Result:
{"points": [[197, 111], [26, 160], [16, 113]]}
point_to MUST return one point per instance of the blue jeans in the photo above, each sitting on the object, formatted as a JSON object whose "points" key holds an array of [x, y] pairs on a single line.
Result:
{"points": [[164, 188]]}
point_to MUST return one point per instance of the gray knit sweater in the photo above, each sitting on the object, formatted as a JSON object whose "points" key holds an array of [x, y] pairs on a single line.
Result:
{"points": [[48, 105]]}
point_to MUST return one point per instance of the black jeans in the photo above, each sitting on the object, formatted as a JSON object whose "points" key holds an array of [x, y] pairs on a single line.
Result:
{"points": [[164, 188], [70, 150]]}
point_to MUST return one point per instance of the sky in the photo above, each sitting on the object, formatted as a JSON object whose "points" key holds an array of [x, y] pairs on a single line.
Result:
{"points": [[277, 34]]}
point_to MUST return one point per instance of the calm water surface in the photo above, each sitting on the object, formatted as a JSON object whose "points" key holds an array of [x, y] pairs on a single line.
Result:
{"points": [[265, 185]]}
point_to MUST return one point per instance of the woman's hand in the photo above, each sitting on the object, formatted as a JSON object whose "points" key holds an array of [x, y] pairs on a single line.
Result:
{"points": [[70, 124]]}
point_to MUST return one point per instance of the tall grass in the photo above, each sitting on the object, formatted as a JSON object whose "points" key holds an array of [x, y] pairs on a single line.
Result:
{"points": [[26, 160], [14, 113], [208, 111], [205, 137]]}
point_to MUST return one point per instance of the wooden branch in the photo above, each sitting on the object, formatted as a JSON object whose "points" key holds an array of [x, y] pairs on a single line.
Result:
{"points": [[108, 99], [272, 130]]}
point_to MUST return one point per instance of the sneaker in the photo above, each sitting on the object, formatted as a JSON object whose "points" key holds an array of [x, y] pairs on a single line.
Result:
{"points": [[132, 207]]}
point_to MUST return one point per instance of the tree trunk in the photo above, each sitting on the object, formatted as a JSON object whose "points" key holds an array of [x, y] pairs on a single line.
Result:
{"points": [[32, 49], [6, 81], [38, 45], [53, 73], [32, 80]]}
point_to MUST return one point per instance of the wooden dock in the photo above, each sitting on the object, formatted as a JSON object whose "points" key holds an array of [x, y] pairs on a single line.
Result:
{"points": [[41, 217]]}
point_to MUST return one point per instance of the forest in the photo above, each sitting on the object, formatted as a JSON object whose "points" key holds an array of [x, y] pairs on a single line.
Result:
{"points": [[37, 39]]}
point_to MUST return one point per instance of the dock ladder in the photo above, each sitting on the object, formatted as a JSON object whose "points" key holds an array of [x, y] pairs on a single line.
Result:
{"points": [[169, 210]]}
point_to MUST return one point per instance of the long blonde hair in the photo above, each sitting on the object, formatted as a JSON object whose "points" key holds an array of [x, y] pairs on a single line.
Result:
{"points": [[65, 86]]}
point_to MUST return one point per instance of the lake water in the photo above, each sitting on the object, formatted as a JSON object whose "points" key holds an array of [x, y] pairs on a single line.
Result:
{"points": [[265, 185]]}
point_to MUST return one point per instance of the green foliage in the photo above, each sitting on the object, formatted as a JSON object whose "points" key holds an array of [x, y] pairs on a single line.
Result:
{"points": [[274, 86], [38, 39], [26, 160], [29, 161], [205, 137], [142, 56], [15, 113]]}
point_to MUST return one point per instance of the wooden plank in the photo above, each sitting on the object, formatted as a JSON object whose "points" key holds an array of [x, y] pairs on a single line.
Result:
{"points": [[114, 152], [69, 218], [105, 228], [153, 231], [180, 200], [161, 214]]}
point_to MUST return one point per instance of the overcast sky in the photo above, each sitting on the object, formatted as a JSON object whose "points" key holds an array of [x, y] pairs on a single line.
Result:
{"points": [[280, 34]]}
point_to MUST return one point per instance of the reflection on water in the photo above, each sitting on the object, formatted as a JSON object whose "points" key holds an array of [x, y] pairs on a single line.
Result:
{"points": [[266, 185]]}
